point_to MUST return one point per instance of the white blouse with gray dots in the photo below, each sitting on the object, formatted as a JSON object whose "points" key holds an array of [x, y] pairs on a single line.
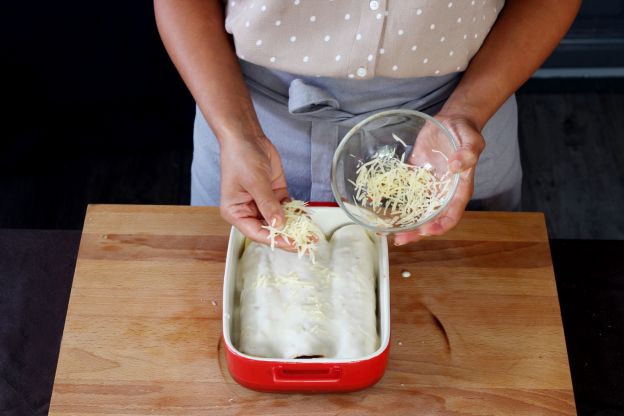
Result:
{"points": [[361, 39]]}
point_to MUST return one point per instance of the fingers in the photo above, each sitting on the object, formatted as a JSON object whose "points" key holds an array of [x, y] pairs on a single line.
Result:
{"points": [[269, 202], [470, 148], [465, 157], [449, 218], [281, 194], [252, 196], [246, 218], [252, 229], [410, 237], [462, 161]]}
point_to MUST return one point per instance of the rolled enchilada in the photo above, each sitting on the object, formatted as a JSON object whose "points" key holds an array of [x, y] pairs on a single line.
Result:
{"points": [[292, 308]]}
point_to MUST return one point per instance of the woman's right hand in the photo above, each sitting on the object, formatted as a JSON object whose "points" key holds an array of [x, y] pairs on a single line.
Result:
{"points": [[252, 179], [253, 186]]}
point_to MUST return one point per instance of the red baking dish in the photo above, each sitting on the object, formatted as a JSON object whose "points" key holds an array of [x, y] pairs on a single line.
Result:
{"points": [[316, 374]]}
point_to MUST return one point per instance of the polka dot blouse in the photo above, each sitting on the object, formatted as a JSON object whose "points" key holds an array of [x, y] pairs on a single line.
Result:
{"points": [[361, 39]]}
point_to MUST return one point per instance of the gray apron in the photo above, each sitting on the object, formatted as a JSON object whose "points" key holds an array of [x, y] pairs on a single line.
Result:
{"points": [[305, 118]]}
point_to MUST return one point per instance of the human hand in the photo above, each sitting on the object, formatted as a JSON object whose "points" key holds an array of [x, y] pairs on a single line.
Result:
{"points": [[253, 186], [464, 161]]}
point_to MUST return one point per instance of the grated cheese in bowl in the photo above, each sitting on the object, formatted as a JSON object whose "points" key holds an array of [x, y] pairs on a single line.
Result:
{"points": [[375, 185], [399, 193], [299, 229]]}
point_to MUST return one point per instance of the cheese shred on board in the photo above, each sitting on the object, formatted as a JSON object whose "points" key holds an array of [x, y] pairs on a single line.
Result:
{"points": [[400, 193], [299, 231]]}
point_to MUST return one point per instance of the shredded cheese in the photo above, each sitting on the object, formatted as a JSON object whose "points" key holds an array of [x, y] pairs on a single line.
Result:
{"points": [[398, 193], [398, 139], [299, 230], [440, 153]]}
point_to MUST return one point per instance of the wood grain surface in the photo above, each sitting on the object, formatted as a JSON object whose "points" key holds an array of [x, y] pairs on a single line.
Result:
{"points": [[476, 329]]}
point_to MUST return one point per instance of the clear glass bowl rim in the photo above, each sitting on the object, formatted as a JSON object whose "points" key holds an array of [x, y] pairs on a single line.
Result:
{"points": [[354, 129]]}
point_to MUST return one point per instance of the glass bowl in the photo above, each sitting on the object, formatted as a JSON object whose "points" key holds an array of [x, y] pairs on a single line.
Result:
{"points": [[393, 134]]}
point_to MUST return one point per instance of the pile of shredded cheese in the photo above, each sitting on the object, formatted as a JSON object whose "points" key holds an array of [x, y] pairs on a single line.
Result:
{"points": [[397, 191], [299, 230]]}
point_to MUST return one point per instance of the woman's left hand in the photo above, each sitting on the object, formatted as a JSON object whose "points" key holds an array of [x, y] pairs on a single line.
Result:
{"points": [[494, 73], [464, 161]]}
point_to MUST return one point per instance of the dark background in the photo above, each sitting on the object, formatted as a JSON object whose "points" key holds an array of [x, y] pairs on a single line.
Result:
{"points": [[94, 112]]}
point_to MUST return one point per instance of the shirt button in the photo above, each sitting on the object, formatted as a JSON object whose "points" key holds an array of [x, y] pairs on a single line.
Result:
{"points": [[361, 72], [374, 5]]}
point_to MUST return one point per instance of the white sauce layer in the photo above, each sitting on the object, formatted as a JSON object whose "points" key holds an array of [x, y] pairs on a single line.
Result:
{"points": [[290, 307]]}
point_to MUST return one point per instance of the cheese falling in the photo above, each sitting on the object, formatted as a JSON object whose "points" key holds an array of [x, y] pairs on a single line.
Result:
{"points": [[299, 230]]}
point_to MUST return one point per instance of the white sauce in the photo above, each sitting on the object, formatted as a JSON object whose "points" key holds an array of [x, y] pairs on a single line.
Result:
{"points": [[290, 307]]}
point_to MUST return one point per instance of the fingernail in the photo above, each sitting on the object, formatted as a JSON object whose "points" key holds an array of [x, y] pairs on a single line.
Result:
{"points": [[455, 166], [423, 234], [397, 244]]}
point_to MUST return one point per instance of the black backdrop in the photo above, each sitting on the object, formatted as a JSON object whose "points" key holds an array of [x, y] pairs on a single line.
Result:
{"points": [[87, 74], [89, 93]]}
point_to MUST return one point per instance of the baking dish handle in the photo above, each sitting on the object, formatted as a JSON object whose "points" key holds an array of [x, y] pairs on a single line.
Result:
{"points": [[298, 374]]}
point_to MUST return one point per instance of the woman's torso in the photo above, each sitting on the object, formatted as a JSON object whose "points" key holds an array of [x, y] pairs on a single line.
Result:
{"points": [[361, 39]]}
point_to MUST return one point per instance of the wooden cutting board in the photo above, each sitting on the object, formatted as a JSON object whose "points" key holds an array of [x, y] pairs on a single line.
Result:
{"points": [[476, 329]]}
